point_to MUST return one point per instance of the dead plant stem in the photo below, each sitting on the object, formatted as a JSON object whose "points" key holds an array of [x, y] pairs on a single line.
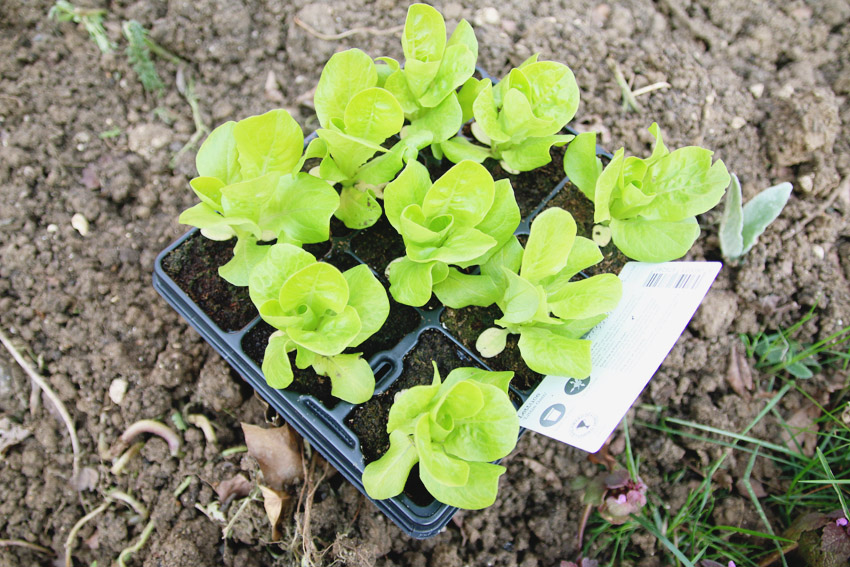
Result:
{"points": [[843, 187], [248, 499], [128, 551], [51, 395], [200, 127], [72, 535], [24, 544], [354, 31], [629, 101]]}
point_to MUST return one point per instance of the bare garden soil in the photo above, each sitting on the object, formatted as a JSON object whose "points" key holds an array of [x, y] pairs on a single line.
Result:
{"points": [[765, 85]]}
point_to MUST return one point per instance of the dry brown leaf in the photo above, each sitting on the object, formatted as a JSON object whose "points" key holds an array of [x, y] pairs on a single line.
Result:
{"points": [[757, 486], [236, 487], [739, 376], [803, 429], [275, 502], [11, 434], [278, 452], [85, 480]]}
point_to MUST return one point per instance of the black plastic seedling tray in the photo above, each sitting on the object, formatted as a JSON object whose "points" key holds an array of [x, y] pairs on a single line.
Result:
{"points": [[325, 428]]}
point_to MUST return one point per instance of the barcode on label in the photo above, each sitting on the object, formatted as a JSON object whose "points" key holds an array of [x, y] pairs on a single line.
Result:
{"points": [[672, 281]]}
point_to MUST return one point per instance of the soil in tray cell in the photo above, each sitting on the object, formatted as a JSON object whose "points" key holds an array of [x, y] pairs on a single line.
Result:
{"points": [[304, 381], [532, 187], [378, 245], [571, 199], [468, 323], [368, 420], [401, 320], [193, 266]]}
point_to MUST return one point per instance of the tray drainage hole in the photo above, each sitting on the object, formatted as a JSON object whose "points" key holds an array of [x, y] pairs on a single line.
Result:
{"points": [[383, 369]]}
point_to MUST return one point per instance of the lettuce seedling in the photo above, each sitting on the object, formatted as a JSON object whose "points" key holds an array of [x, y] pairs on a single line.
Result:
{"points": [[461, 219], [319, 312], [519, 118], [251, 187], [533, 288], [649, 204], [740, 226], [453, 430], [357, 117], [433, 70]]}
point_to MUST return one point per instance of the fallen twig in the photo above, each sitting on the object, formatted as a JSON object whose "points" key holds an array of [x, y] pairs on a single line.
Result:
{"points": [[72, 535], [51, 395], [128, 551], [137, 506], [649, 88], [181, 488], [311, 485], [333, 37], [230, 451], [24, 544], [843, 187]]}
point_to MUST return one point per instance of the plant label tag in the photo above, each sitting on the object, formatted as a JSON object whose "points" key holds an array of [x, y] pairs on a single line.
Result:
{"points": [[628, 347]]}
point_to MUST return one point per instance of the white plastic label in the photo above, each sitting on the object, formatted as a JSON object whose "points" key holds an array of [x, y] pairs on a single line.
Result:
{"points": [[628, 347]]}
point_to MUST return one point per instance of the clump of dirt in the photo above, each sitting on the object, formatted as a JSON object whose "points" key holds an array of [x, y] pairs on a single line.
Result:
{"points": [[760, 84]]}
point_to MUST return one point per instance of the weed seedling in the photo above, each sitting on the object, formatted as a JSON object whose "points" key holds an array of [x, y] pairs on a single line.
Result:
{"points": [[91, 19], [740, 226], [779, 352], [139, 55]]}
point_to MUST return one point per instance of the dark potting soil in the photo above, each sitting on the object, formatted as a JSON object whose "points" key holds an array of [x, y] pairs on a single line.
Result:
{"points": [[468, 323], [401, 321], [304, 381], [319, 249], [571, 199], [378, 245], [368, 421], [193, 266], [532, 187]]}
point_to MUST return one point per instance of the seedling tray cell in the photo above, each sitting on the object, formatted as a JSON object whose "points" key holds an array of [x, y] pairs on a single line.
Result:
{"points": [[325, 424]]}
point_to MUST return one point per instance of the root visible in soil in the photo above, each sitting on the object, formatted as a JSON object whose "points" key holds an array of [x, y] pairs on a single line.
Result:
{"points": [[72, 535], [26, 545], [150, 426], [51, 395]]}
